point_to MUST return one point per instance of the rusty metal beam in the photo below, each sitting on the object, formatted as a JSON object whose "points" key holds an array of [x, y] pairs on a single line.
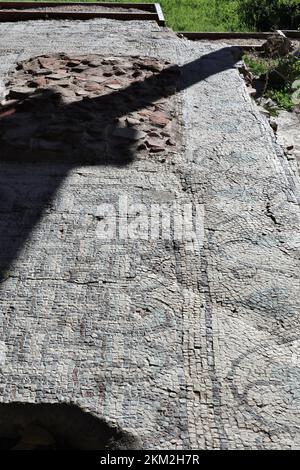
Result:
{"points": [[37, 15], [22, 11], [237, 35], [292, 34], [228, 35], [26, 5]]}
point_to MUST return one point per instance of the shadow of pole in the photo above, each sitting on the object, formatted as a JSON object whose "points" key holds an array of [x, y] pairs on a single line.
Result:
{"points": [[31, 176]]}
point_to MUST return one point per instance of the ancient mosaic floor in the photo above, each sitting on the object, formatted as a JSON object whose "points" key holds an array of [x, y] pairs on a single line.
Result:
{"points": [[180, 345]]}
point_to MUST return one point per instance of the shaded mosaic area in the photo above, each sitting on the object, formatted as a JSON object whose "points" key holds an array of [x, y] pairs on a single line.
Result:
{"points": [[49, 426], [95, 109]]}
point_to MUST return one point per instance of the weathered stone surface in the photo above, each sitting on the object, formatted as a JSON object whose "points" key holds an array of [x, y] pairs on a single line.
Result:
{"points": [[114, 86], [19, 92], [187, 348], [159, 119], [132, 121], [57, 76], [93, 87], [80, 68], [38, 82], [155, 144], [128, 133], [277, 45]]}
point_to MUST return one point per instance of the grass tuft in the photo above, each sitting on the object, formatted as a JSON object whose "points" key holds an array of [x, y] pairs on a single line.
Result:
{"points": [[281, 76]]}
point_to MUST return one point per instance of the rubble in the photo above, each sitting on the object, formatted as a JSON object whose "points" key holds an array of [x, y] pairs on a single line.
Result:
{"points": [[72, 93], [277, 45]]}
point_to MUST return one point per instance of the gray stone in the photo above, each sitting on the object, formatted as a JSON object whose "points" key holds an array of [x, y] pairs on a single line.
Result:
{"points": [[277, 45], [20, 92], [128, 133]]}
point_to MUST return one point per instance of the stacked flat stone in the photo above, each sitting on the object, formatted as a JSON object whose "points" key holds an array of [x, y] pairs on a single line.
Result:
{"points": [[89, 107]]}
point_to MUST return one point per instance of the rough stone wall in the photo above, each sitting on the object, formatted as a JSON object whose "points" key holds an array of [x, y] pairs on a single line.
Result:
{"points": [[188, 347]]}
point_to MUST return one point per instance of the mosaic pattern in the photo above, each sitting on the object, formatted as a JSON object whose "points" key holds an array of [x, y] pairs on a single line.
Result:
{"points": [[185, 349]]}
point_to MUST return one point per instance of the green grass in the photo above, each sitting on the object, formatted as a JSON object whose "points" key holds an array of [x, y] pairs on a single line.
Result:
{"points": [[282, 98], [198, 15], [257, 65], [288, 68]]}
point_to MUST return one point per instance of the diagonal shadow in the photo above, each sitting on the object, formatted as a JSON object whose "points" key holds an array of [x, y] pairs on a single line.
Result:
{"points": [[32, 174]]}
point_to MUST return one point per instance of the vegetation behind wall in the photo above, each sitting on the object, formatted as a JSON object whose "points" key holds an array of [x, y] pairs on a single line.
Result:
{"points": [[267, 15]]}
